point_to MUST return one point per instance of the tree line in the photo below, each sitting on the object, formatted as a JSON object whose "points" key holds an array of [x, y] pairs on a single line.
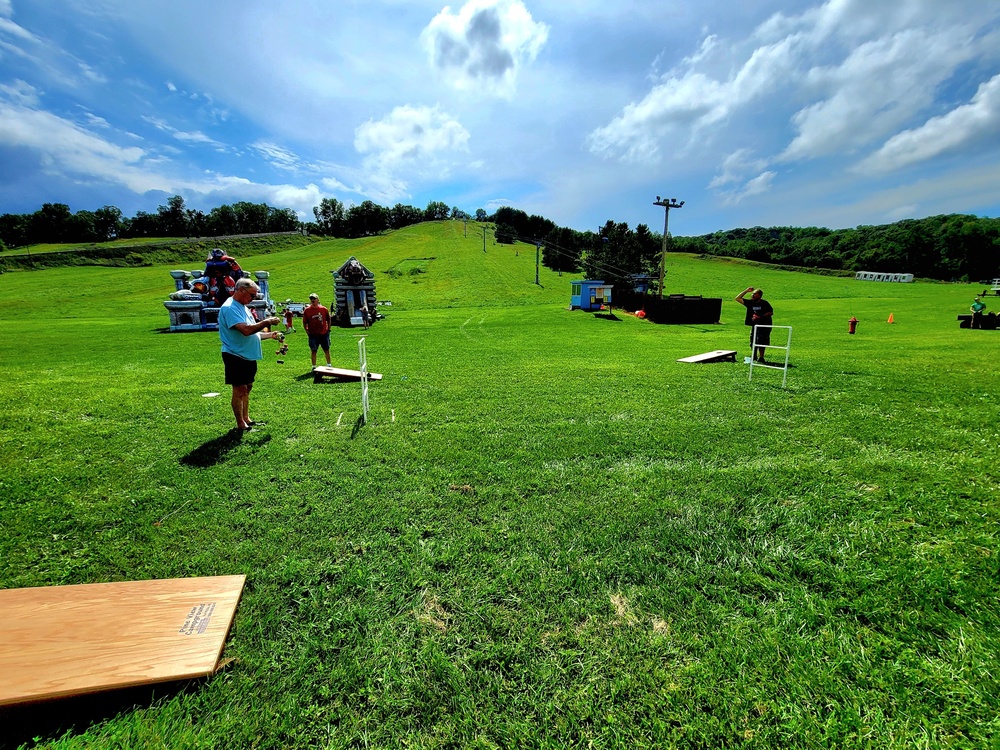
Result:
{"points": [[946, 247], [952, 246], [960, 247], [55, 223]]}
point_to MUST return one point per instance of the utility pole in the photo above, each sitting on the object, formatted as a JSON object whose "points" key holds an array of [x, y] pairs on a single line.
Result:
{"points": [[484, 238], [667, 205], [538, 252]]}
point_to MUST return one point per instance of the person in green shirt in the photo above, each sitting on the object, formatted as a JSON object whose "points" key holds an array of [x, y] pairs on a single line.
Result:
{"points": [[978, 306]]}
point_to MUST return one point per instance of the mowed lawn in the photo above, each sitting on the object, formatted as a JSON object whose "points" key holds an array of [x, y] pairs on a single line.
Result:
{"points": [[549, 534]]}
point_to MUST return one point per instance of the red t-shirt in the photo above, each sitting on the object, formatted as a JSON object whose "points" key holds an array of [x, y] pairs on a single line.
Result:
{"points": [[316, 320]]}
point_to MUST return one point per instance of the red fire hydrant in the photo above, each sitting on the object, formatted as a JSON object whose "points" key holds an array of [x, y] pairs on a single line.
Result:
{"points": [[852, 324]]}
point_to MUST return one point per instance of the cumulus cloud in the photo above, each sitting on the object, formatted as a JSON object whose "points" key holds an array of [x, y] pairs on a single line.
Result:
{"points": [[838, 78], [484, 45], [686, 103], [968, 123], [414, 137]]}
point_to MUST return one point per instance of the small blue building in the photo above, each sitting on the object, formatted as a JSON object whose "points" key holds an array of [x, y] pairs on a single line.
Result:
{"points": [[589, 295]]}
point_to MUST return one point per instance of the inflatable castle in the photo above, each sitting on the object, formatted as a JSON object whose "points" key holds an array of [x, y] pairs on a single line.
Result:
{"points": [[354, 294], [195, 301]]}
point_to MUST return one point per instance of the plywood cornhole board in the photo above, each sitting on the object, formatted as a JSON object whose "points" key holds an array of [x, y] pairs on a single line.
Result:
{"points": [[336, 372], [719, 355], [58, 641]]}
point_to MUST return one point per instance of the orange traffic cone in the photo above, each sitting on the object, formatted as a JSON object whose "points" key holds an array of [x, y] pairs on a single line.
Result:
{"points": [[890, 319]]}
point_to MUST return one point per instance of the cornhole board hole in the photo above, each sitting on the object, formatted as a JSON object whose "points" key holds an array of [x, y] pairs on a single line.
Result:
{"points": [[58, 641], [719, 355], [340, 374]]}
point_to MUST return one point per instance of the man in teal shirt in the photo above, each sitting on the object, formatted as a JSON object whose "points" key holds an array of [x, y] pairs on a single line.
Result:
{"points": [[977, 312], [241, 336]]}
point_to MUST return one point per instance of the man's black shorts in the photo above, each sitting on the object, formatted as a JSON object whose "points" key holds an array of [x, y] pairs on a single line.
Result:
{"points": [[318, 340], [763, 335], [239, 371]]}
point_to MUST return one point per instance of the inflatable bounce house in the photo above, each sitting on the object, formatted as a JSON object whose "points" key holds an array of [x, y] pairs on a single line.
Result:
{"points": [[194, 304], [354, 293]]}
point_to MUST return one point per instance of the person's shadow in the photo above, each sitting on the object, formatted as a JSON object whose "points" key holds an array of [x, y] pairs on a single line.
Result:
{"points": [[214, 451]]}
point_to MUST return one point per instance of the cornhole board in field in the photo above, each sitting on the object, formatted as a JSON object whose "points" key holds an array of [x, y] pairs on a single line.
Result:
{"points": [[720, 355], [58, 641], [340, 374]]}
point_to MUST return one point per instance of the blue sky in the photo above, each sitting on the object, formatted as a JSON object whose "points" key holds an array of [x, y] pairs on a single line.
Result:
{"points": [[776, 112]]}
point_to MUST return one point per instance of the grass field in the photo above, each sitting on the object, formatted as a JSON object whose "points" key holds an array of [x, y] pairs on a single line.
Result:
{"points": [[550, 533]]}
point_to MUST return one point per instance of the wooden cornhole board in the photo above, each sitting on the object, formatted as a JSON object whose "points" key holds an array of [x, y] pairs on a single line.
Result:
{"points": [[336, 372], [719, 355], [58, 641]]}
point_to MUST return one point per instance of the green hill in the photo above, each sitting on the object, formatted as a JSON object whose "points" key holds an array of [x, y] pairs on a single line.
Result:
{"points": [[550, 533]]}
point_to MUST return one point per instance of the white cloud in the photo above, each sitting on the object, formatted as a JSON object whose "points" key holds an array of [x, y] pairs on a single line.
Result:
{"points": [[184, 136], [19, 92], [409, 136], [844, 75], [679, 108], [735, 167], [277, 156], [98, 122], [484, 45], [10, 28], [969, 123], [67, 148], [879, 86], [6, 9], [757, 186]]}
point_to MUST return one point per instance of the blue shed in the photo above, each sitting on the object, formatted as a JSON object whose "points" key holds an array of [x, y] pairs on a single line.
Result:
{"points": [[589, 295]]}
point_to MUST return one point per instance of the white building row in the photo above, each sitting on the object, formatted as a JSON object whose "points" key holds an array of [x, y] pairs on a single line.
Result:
{"points": [[873, 276]]}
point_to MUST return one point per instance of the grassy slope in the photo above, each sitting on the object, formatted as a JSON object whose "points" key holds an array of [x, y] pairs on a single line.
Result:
{"points": [[551, 533]]}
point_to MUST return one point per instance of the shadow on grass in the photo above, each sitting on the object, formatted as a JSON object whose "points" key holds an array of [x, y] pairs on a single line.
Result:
{"points": [[358, 425], [607, 316], [50, 720], [214, 451]]}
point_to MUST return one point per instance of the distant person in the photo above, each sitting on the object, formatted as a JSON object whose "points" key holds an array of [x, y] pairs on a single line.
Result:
{"points": [[977, 308], [316, 321], [758, 313], [222, 273], [366, 317], [289, 320], [241, 336]]}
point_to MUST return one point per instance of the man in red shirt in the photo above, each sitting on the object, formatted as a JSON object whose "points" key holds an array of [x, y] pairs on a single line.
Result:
{"points": [[316, 321]]}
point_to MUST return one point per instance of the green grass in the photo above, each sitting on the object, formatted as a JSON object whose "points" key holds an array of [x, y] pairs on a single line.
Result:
{"points": [[550, 534]]}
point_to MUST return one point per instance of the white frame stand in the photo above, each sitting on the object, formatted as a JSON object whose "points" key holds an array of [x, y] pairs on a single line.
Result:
{"points": [[787, 349], [363, 356]]}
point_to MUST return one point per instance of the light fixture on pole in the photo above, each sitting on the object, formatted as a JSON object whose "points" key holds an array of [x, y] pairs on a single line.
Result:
{"points": [[667, 205]]}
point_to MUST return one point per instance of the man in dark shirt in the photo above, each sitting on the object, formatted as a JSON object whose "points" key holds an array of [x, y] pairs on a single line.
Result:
{"points": [[759, 313]]}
